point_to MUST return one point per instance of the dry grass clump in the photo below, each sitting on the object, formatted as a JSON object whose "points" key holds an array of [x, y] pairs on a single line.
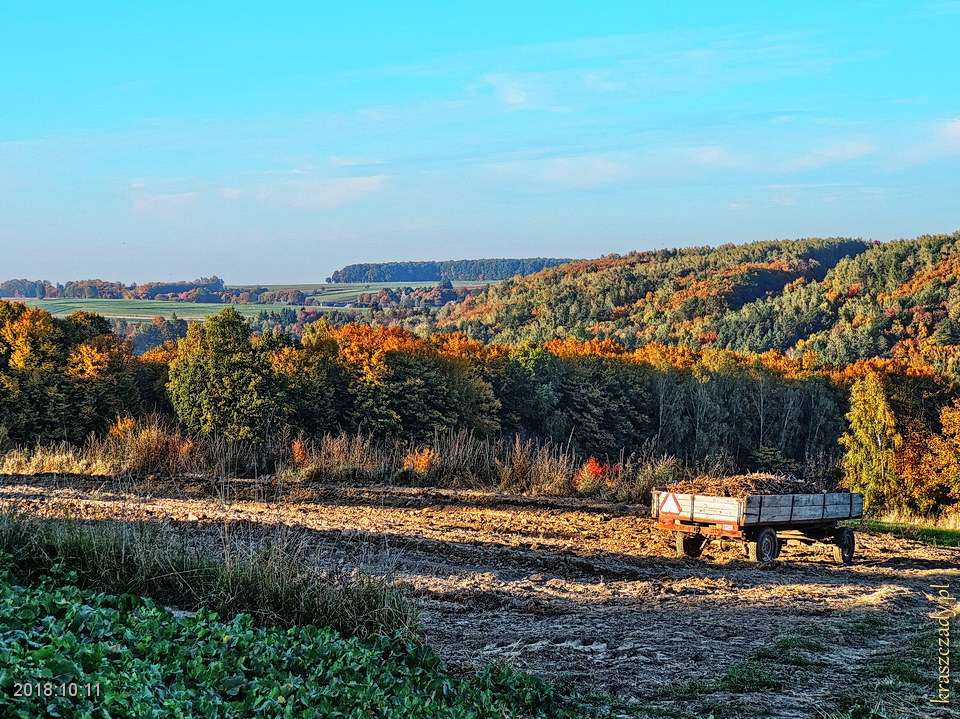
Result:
{"points": [[529, 467], [342, 457], [741, 485], [59, 458], [148, 446], [461, 459], [131, 447], [948, 519], [271, 579]]}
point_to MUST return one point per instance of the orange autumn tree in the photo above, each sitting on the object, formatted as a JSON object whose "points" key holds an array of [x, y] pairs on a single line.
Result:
{"points": [[914, 466], [104, 385], [945, 450], [929, 463], [400, 386]]}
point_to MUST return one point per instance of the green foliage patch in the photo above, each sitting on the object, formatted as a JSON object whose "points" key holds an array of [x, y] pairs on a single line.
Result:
{"points": [[149, 663]]}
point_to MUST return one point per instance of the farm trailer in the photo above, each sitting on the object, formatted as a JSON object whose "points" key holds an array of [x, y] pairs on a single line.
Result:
{"points": [[763, 521]]}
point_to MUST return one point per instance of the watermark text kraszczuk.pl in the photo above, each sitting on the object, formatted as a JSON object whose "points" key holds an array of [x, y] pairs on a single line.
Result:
{"points": [[948, 610]]}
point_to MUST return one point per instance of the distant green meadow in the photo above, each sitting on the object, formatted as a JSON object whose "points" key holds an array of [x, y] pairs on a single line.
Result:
{"points": [[148, 309]]}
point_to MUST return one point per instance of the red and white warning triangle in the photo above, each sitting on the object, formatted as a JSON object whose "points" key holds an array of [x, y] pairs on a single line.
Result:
{"points": [[669, 505]]}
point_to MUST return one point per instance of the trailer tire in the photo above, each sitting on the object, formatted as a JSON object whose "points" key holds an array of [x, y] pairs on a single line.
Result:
{"points": [[844, 545], [689, 545], [765, 548]]}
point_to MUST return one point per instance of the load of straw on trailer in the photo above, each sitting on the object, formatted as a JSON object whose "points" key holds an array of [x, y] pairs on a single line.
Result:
{"points": [[741, 485]]}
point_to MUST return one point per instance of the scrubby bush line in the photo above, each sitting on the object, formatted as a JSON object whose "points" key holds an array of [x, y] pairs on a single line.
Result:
{"points": [[152, 445], [455, 458], [273, 580], [460, 459]]}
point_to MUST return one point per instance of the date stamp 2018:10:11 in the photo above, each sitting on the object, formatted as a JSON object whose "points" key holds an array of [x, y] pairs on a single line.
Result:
{"points": [[55, 689]]}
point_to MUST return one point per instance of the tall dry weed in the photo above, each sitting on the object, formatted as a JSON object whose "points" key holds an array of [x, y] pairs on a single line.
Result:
{"points": [[153, 446]]}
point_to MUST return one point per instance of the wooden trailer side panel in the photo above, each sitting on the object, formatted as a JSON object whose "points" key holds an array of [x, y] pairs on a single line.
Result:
{"points": [[786, 508], [701, 507]]}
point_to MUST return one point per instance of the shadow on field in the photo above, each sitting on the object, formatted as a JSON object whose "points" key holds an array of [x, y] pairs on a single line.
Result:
{"points": [[348, 495], [916, 563]]}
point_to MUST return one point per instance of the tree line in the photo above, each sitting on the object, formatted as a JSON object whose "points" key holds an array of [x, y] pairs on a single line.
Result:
{"points": [[431, 271], [204, 289]]}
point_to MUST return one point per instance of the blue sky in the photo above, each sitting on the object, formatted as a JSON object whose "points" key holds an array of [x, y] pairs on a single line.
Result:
{"points": [[275, 142]]}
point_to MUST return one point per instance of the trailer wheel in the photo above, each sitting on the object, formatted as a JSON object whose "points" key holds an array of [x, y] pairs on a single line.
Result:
{"points": [[766, 547], [689, 545], [844, 545]]}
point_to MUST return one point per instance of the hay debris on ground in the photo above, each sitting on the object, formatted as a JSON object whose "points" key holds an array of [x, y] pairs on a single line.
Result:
{"points": [[741, 485]]}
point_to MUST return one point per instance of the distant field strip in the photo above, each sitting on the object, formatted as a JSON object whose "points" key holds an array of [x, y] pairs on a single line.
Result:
{"points": [[148, 309]]}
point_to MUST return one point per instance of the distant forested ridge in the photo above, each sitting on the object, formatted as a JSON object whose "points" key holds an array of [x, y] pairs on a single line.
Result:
{"points": [[203, 289], [428, 271], [843, 299]]}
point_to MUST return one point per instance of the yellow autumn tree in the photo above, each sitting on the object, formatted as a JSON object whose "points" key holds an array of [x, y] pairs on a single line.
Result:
{"points": [[871, 443]]}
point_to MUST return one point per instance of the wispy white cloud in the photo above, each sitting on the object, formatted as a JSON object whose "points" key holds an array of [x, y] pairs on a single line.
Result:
{"points": [[830, 154], [938, 8], [715, 156], [807, 185], [942, 140], [647, 68], [164, 206], [336, 161], [562, 172], [807, 193], [949, 131], [755, 157], [270, 189], [513, 90], [319, 194]]}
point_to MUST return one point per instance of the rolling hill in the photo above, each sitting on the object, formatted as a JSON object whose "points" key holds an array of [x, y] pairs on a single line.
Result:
{"points": [[846, 299]]}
